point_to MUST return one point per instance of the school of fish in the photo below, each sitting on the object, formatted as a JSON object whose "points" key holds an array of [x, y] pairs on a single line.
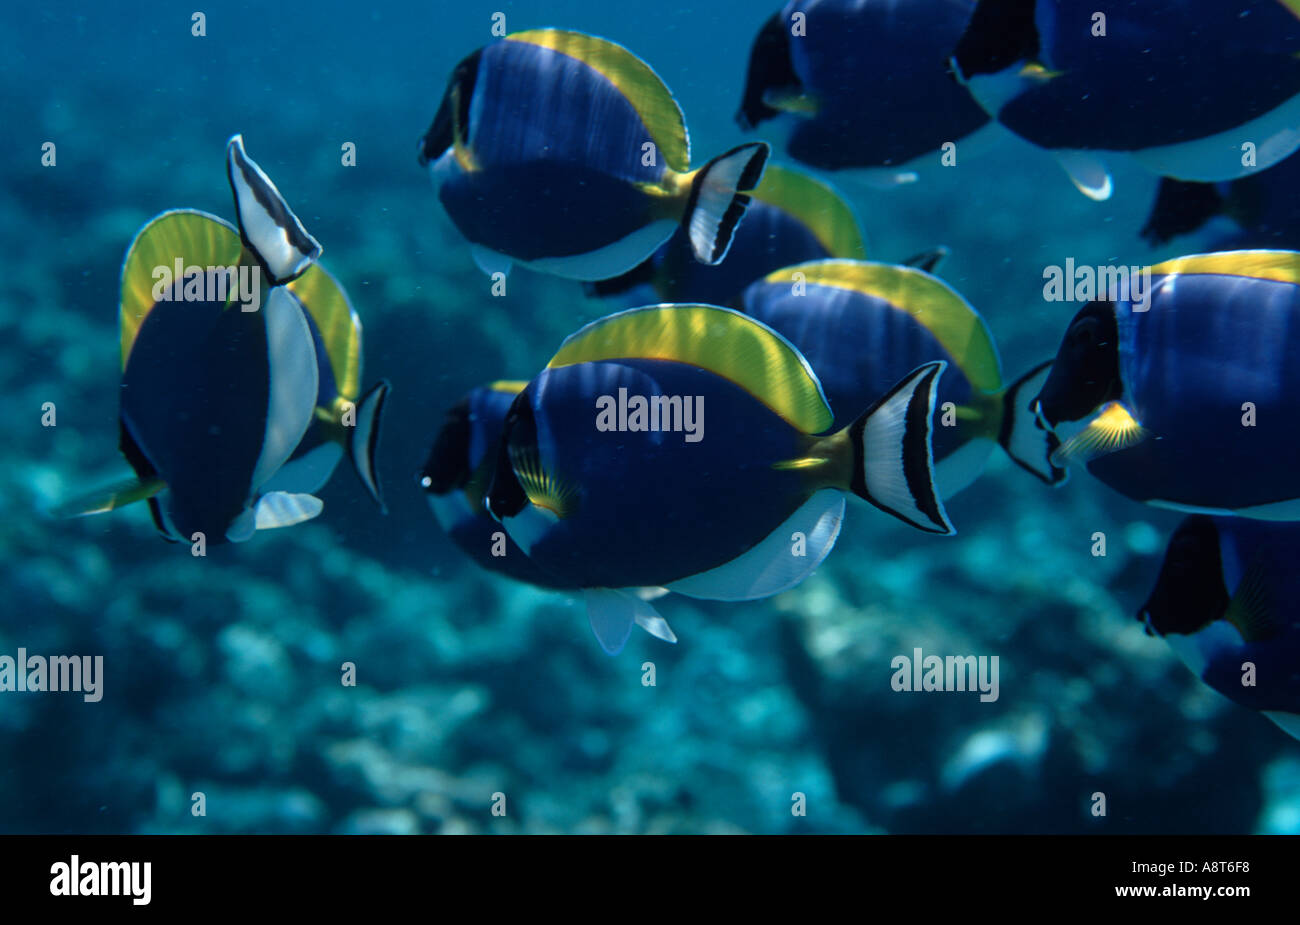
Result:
{"points": [[705, 437]]}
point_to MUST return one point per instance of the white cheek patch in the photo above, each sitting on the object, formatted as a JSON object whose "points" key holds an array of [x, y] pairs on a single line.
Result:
{"points": [[266, 223]]}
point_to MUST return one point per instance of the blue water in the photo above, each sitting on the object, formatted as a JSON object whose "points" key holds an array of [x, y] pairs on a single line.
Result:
{"points": [[222, 674]]}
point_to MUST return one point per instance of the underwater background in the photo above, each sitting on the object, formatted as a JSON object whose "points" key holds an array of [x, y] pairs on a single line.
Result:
{"points": [[222, 673]]}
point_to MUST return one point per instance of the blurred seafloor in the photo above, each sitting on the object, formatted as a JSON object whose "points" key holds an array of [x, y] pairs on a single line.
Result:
{"points": [[222, 673]]}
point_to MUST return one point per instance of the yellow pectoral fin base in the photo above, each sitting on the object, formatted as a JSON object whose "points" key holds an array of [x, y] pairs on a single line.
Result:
{"points": [[109, 498], [543, 489], [1113, 429], [1250, 610]]}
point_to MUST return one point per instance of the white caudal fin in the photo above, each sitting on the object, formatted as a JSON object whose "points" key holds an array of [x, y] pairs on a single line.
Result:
{"points": [[893, 452], [363, 440], [1026, 441], [718, 201], [283, 509], [266, 223], [613, 614], [778, 562]]}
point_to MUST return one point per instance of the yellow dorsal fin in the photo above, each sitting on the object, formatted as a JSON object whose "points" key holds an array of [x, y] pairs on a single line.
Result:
{"points": [[934, 305], [816, 205], [635, 79], [1113, 429], [340, 328], [1294, 7], [1279, 266], [725, 342], [197, 238]]}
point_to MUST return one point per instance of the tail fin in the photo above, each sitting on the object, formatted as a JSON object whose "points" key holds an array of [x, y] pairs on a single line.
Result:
{"points": [[893, 458], [363, 440], [718, 199], [1026, 441]]}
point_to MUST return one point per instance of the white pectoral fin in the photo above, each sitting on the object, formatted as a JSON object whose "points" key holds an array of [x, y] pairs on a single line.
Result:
{"points": [[284, 509], [489, 261], [266, 223], [613, 613], [1088, 172], [783, 559]]}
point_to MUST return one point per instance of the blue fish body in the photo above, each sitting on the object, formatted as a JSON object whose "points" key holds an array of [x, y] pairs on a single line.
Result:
{"points": [[567, 153], [1208, 346], [865, 79], [1180, 99], [1225, 601], [862, 336], [646, 508]]}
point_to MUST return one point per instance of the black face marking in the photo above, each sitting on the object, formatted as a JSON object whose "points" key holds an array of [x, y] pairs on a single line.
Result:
{"points": [[447, 467], [505, 496], [769, 69], [1085, 373], [1000, 33], [1190, 592], [1180, 208], [459, 92]]}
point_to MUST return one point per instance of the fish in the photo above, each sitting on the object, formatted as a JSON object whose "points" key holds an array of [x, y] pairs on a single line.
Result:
{"points": [[1263, 208], [1225, 601], [793, 217], [1188, 404], [864, 84], [608, 477], [233, 413], [455, 479], [1093, 86], [863, 325], [566, 153]]}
